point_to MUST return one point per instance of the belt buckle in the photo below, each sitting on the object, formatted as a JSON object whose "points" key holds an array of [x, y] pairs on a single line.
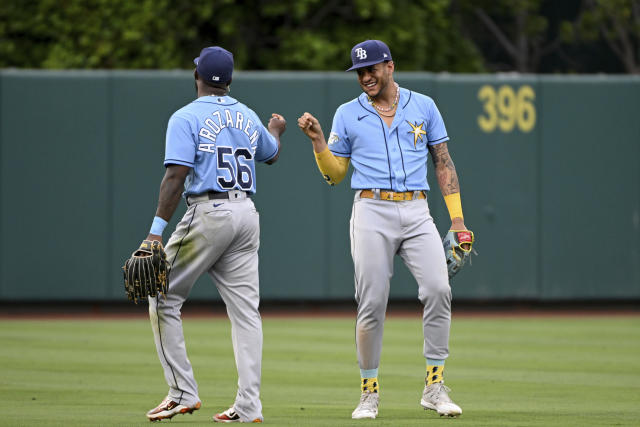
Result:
{"points": [[236, 195], [397, 196]]}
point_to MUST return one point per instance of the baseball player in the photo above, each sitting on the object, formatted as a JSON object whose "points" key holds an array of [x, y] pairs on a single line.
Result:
{"points": [[386, 134], [212, 145]]}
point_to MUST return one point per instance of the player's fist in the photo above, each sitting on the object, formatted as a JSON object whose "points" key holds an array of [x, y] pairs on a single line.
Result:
{"points": [[310, 126], [277, 124]]}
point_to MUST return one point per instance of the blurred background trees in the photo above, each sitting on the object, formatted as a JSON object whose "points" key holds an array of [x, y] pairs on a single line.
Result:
{"points": [[529, 36], [616, 22]]}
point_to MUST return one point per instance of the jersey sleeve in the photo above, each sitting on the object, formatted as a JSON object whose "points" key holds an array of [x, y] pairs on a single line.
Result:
{"points": [[267, 147], [338, 141], [436, 132], [180, 146]]}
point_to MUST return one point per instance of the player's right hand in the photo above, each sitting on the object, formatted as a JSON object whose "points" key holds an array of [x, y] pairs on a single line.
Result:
{"points": [[277, 123], [310, 126]]}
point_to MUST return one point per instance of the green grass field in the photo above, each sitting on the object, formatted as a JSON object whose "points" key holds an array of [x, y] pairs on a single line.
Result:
{"points": [[577, 371]]}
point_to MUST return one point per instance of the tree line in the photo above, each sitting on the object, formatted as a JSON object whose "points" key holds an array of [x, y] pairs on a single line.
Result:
{"points": [[459, 36]]}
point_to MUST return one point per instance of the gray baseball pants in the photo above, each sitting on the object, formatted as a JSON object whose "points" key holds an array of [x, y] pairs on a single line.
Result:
{"points": [[220, 237], [381, 229]]}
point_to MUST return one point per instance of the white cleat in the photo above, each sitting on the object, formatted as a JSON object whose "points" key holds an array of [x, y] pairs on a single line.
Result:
{"points": [[368, 406], [436, 398], [230, 416], [168, 408]]}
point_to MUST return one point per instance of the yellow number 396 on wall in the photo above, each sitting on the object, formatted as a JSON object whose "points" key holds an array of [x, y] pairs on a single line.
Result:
{"points": [[505, 108]]}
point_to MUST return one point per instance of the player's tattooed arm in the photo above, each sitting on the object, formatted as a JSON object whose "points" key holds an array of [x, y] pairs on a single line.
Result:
{"points": [[445, 169], [170, 192], [448, 182]]}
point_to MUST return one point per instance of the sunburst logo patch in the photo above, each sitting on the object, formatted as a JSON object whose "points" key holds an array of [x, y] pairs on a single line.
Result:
{"points": [[417, 131]]}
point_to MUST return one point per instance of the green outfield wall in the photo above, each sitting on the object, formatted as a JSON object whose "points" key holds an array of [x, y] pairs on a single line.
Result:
{"points": [[549, 170]]}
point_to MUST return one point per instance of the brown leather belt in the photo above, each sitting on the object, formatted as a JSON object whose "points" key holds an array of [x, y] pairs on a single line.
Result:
{"points": [[392, 195]]}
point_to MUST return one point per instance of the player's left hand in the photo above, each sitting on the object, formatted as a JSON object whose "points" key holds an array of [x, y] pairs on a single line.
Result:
{"points": [[146, 272], [457, 224], [277, 123], [153, 237], [458, 245]]}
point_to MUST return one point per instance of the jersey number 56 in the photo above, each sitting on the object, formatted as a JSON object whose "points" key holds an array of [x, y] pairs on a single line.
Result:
{"points": [[233, 161]]}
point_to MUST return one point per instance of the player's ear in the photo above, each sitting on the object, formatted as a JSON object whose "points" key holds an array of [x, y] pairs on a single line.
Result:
{"points": [[391, 65], [195, 74]]}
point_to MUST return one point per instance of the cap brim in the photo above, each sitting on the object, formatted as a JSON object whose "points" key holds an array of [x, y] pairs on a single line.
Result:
{"points": [[367, 64], [195, 61]]}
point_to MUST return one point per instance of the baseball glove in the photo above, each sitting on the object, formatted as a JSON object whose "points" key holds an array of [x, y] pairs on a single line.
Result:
{"points": [[146, 272], [458, 245]]}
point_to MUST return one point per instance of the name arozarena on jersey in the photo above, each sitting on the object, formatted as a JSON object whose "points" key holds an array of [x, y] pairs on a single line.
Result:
{"points": [[213, 128]]}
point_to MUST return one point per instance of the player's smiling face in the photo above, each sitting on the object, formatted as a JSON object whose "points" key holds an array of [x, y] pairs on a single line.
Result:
{"points": [[374, 79]]}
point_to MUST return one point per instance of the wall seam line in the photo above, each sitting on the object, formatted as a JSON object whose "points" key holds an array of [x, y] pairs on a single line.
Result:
{"points": [[540, 210], [109, 184]]}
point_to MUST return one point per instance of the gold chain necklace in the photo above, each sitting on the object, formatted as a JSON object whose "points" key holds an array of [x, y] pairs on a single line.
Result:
{"points": [[391, 107]]}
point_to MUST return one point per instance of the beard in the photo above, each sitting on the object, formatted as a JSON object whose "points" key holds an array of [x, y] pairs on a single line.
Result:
{"points": [[382, 83], [383, 86]]}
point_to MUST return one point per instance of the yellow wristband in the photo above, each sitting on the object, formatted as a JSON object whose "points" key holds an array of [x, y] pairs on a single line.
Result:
{"points": [[454, 205]]}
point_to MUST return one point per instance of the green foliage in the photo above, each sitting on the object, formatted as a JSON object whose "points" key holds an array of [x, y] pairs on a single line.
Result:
{"points": [[506, 12], [598, 16], [503, 371], [424, 35], [518, 27], [96, 33], [615, 21], [421, 36], [263, 34]]}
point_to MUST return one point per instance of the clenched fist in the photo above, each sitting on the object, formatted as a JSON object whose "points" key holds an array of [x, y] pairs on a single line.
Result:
{"points": [[277, 123], [311, 127]]}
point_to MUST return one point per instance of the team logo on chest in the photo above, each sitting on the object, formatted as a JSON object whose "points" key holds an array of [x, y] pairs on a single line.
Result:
{"points": [[417, 131]]}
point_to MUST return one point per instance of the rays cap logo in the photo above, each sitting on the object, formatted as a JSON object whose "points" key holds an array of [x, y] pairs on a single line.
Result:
{"points": [[369, 52], [214, 65]]}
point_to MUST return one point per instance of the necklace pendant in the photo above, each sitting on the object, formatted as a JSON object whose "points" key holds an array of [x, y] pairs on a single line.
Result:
{"points": [[391, 107]]}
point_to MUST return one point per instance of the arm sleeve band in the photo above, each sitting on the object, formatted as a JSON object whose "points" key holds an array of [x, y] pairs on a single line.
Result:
{"points": [[333, 168], [454, 205], [158, 225]]}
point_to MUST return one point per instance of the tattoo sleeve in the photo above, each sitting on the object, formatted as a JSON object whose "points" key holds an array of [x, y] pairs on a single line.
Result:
{"points": [[444, 168]]}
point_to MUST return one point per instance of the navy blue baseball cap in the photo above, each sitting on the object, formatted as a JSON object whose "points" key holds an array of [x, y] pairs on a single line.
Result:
{"points": [[369, 52], [214, 65]]}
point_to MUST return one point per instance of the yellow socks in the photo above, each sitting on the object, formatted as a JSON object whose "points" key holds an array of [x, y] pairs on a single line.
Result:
{"points": [[370, 384], [434, 374]]}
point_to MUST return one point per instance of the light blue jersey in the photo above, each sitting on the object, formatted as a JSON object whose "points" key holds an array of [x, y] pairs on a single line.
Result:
{"points": [[220, 139], [388, 157]]}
